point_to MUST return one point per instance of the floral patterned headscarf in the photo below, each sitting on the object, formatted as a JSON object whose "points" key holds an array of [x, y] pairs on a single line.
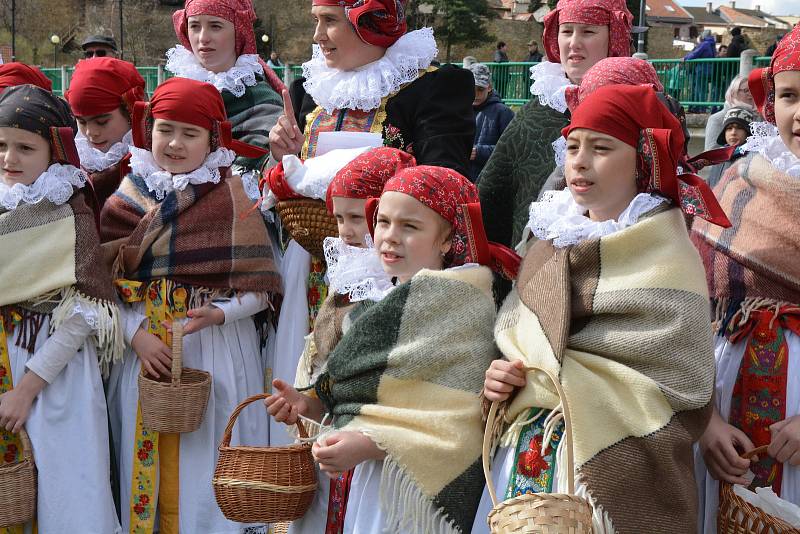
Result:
{"points": [[613, 71], [377, 22], [762, 81]]}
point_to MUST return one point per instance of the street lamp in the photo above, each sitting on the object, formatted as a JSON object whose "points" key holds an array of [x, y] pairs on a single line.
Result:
{"points": [[265, 38], [55, 39]]}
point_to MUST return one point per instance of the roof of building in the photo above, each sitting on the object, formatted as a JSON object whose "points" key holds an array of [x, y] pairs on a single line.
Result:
{"points": [[702, 17], [667, 10], [738, 18], [766, 17]]}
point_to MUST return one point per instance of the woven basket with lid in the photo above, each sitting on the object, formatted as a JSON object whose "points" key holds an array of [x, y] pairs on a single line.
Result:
{"points": [[18, 487]]}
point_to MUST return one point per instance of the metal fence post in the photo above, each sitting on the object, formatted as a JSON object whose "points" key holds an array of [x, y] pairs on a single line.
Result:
{"points": [[287, 75], [746, 62], [64, 79], [160, 74], [640, 55]]}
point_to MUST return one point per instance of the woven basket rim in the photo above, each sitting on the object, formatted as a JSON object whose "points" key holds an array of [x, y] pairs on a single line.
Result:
{"points": [[297, 447], [7, 469]]}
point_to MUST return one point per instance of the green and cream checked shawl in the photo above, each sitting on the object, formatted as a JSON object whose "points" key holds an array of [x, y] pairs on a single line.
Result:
{"points": [[623, 321], [408, 373], [252, 116]]}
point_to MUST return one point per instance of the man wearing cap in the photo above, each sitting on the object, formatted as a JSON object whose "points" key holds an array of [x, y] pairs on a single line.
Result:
{"points": [[491, 119], [534, 56], [99, 46]]}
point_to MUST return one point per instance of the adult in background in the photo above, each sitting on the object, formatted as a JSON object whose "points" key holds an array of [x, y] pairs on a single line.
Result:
{"points": [[534, 56], [737, 96], [99, 46], [491, 119], [274, 60], [771, 48], [722, 51], [501, 54], [701, 74], [577, 34], [738, 43]]}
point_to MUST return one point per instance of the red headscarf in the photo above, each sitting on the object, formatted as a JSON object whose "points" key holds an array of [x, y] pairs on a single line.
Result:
{"points": [[100, 85], [456, 199], [613, 71], [611, 13], [238, 12], [12, 74], [635, 116], [365, 176], [377, 22], [192, 102], [762, 81]]}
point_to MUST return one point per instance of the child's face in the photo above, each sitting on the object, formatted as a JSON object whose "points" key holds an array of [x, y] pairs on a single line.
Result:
{"points": [[180, 147], [351, 220], [787, 108], [24, 156], [103, 131], [735, 135], [213, 41], [600, 172], [409, 236]]}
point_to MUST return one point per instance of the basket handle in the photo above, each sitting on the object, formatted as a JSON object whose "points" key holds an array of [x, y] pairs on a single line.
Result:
{"points": [[226, 436], [758, 450], [487, 436], [27, 446], [177, 352]]}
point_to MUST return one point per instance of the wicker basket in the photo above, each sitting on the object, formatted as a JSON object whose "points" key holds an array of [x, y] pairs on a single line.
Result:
{"points": [[175, 405], [541, 513], [737, 516], [309, 223], [18, 487], [263, 484]]}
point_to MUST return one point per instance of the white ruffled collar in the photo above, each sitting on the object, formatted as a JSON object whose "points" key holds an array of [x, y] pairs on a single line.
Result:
{"points": [[161, 182], [559, 218], [55, 184], [550, 84], [182, 62], [93, 159], [766, 140], [365, 87], [356, 272]]}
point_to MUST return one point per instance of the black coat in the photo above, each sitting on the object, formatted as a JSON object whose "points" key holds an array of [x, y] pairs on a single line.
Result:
{"points": [[737, 46], [491, 119], [433, 115]]}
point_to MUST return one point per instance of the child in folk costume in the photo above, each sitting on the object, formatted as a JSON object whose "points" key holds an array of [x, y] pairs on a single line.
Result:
{"points": [[402, 383], [186, 247], [102, 92], [612, 299], [754, 281], [355, 274], [12, 74], [59, 324], [218, 46]]}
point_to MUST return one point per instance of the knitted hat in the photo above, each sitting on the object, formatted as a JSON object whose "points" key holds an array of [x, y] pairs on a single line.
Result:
{"points": [[482, 75], [741, 116]]}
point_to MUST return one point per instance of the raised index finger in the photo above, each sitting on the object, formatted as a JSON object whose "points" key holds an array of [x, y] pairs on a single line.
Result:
{"points": [[288, 109]]}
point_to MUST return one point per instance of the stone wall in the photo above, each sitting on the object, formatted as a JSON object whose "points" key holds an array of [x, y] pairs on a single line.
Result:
{"points": [[659, 43]]}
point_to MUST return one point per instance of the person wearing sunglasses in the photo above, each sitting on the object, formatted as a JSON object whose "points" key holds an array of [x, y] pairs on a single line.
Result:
{"points": [[99, 46]]}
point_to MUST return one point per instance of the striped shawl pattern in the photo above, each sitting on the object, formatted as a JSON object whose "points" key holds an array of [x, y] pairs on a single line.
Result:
{"points": [[408, 373], [623, 321], [204, 236]]}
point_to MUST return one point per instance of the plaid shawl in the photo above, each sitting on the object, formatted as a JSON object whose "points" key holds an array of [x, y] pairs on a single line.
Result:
{"points": [[51, 264], [252, 116], [751, 262], [408, 373], [204, 236], [623, 321]]}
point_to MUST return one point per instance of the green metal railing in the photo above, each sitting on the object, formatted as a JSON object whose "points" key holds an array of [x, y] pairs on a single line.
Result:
{"points": [[698, 84]]}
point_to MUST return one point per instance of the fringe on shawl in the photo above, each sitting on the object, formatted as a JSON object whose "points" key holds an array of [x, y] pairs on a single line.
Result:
{"points": [[737, 313], [104, 319], [405, 507]]}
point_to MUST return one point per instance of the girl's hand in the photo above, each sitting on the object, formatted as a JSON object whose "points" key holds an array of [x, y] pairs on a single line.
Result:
{"points": [[501, 379], [718, 446], [15, 405], [155, 356], [203, 318], [286, 404], [341, 451], [785, 445]]}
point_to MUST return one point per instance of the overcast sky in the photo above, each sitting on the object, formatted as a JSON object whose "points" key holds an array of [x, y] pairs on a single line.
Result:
{"points": [[774, 7]]}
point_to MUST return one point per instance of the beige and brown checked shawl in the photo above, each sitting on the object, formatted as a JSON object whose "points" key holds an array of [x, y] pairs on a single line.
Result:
{"points": [[623, 321]]}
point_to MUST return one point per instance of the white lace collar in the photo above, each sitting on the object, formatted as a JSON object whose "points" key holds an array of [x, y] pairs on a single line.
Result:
{"points": [[558, 217], [364, 87], [162, 182], [550, 84], [356, 272], [55, 184], [766, 140], [182, 62], [93, 159]]}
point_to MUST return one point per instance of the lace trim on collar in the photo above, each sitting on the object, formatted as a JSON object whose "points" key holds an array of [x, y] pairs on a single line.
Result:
{"points": [[356, 272], [161, 182], [237, 79], [55, 184], [94, 160], [766, 140], [365, 87], [550, 83], [559, 218]]}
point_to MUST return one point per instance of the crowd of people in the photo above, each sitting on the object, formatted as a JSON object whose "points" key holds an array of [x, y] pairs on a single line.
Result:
{"points": [[574, 237]]}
